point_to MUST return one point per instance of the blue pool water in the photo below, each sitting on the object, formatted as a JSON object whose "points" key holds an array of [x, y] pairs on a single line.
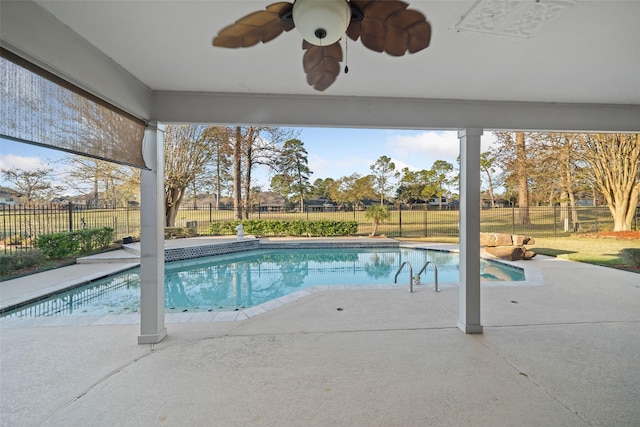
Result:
{"points": [[246, 279]]}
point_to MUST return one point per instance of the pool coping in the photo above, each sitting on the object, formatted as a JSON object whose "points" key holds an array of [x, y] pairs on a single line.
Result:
{"points": [[533, 277]]}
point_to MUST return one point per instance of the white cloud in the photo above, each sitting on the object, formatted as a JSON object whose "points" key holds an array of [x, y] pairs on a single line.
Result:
{"points": [[441, 145], [12, 161], [319, 165], [487, 140], [419, 150], [337, 167], [401, 165]]}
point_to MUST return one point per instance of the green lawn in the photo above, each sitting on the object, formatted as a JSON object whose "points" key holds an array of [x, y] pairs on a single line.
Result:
{"points": [[592, 250]]}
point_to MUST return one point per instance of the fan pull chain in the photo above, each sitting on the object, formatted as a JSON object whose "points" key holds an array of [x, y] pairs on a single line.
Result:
{"points": [[346, 55]]}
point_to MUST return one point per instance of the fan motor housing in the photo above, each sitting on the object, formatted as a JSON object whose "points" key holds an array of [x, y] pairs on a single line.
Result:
{"points": [[321, 22]]}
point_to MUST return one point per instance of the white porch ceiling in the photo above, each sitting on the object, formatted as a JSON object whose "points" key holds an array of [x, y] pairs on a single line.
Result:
{"points": [[587, 54], [579, 56]]}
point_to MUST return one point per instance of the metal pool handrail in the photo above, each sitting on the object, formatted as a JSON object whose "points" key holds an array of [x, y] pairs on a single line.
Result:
{"points": [[435, 272], [395, 279]]}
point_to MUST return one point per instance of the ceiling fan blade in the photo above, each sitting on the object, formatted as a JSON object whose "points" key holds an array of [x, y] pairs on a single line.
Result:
{"points": [[388, 26], [322, 64], [354, 30], [261, 26]]}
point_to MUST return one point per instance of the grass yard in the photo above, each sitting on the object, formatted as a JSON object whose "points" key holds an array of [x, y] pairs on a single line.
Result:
{"points": [[605, 248], [599, 250]]}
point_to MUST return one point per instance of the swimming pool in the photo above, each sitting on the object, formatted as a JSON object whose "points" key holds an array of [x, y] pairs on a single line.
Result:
{"points": [[246, 279]]}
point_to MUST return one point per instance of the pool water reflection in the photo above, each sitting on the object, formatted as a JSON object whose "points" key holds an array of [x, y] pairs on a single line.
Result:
{"points": [[247, 279]]}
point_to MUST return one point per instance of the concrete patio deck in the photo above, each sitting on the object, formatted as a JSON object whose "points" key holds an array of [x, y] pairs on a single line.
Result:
{"points": [[562, 354]]}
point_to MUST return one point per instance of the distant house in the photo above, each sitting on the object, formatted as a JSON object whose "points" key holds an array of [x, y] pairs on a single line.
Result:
{"points": [[585, 202], [364, 204], [320, 204], [269, 201], [201, 201], [453, 205], [59, 202], [498, 203], [7, 197], [435, 201]]}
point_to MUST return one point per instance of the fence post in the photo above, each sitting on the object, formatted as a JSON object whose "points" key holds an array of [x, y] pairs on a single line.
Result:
{"points": [[513, 219], [4, 227], [70, 216], [554, 222], [400, 218], [425, 220], [596, 219], [210, 213]]}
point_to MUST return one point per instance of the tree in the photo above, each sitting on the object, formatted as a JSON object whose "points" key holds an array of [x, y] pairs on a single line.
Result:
{"points": [[412, 186], [352, 189], [383, 171], [30, 185], [558, 161], [409, 188], [377, 214], [486, 166], [439, 174], [187, 149], [107, 183], [511, 154], [523, 189], [251, 146], [321, 187], [615, 163], [238, 139], [282, 184], [293, 170], [220, 165]]}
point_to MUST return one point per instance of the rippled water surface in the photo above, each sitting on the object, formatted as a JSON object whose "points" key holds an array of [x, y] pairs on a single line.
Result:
{"points": [[246, 279]]}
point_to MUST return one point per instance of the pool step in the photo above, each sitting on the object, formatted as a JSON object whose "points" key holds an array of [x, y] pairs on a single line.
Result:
{"points": [[112, 257]]}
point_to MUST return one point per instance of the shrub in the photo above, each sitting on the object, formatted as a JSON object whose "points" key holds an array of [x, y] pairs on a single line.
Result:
{"points": [[322, 228], [178, 232], [377, 214], [9, 264], [631, 256], [72, 243]]}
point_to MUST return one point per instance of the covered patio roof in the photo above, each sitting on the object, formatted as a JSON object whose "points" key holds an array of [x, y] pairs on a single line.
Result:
{"points": [[549, 64]]}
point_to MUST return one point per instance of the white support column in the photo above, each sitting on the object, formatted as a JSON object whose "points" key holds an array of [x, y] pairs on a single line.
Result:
{"points": [[469, 309], [152, 327]]}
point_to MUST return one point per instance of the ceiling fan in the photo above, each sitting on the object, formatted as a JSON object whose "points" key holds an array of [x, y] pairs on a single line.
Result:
{"points": [[382, 25]]}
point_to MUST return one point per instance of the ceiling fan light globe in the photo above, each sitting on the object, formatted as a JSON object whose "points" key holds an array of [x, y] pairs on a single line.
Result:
{"points": [[321, 22]]}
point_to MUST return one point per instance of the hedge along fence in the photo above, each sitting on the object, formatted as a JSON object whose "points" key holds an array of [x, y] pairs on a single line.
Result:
{"points": [[72, 243], [322, 228]]}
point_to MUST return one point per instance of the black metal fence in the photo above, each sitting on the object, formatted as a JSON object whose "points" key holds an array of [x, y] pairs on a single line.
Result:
{"points": [[21, 224]]}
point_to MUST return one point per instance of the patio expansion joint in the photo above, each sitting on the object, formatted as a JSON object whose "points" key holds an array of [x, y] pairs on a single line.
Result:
{"points": [[102, 380], [531, 379], [341, 331], [533, 325]]}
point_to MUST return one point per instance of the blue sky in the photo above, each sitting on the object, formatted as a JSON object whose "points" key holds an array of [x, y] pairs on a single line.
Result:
{"points": [[332, 153]]}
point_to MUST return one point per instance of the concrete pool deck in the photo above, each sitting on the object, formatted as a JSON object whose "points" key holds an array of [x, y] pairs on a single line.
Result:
{"points": [[562, 353]]}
